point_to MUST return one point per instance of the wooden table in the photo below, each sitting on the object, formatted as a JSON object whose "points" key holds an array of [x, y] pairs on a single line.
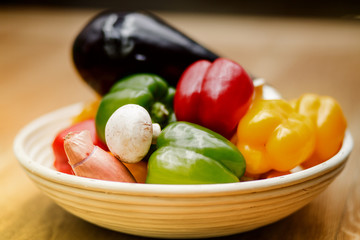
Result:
{"points": [[294, 55]]}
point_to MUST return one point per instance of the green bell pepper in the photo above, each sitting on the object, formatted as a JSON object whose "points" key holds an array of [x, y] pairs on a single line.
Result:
{"points": [[147, 90], [190, 154]]}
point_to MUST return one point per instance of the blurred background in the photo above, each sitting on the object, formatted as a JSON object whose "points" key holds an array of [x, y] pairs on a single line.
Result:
{"points": [[321, 8]]}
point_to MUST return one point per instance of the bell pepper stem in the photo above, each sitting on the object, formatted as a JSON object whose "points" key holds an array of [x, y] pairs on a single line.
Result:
{"points": [[159, 112]]}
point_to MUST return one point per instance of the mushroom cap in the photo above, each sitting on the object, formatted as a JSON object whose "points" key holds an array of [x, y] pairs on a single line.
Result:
{"points": [[129, 132]]}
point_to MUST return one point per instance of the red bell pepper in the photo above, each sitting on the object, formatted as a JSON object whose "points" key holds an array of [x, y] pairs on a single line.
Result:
{"points": [[61, 161], [215, 95]]}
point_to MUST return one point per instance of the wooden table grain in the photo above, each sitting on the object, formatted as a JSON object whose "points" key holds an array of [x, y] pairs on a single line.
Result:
{"points": [[295, 55]]}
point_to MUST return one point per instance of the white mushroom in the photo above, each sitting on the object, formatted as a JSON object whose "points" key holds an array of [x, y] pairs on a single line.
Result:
{"points": [[129, 133]]}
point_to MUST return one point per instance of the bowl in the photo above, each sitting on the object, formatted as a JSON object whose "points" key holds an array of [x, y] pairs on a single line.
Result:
{"points": [[168, 211]]}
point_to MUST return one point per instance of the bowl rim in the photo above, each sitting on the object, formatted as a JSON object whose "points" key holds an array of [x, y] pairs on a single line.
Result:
{"points": [[35, 168]]}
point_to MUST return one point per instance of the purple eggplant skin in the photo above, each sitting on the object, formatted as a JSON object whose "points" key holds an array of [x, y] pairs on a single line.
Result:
{"points": [[115, 44]]}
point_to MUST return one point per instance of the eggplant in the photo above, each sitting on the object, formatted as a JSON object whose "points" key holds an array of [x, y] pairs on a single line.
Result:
{"points": [[115, 44]]}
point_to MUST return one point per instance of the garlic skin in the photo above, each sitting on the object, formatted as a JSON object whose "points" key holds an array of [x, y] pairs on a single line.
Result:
{"points": [[129, 133], [268, 92]]}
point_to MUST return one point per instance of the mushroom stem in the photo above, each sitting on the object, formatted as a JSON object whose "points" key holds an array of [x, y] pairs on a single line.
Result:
{"points": [[156, 132]]}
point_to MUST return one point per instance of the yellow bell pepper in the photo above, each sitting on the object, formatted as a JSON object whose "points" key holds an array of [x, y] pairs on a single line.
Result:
{"points": [[258, 95], [88, 112], [272, 135], [330, 122]]}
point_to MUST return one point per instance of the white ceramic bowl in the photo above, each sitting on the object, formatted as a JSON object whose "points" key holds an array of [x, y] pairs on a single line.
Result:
{"points": [[168, 211]]}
